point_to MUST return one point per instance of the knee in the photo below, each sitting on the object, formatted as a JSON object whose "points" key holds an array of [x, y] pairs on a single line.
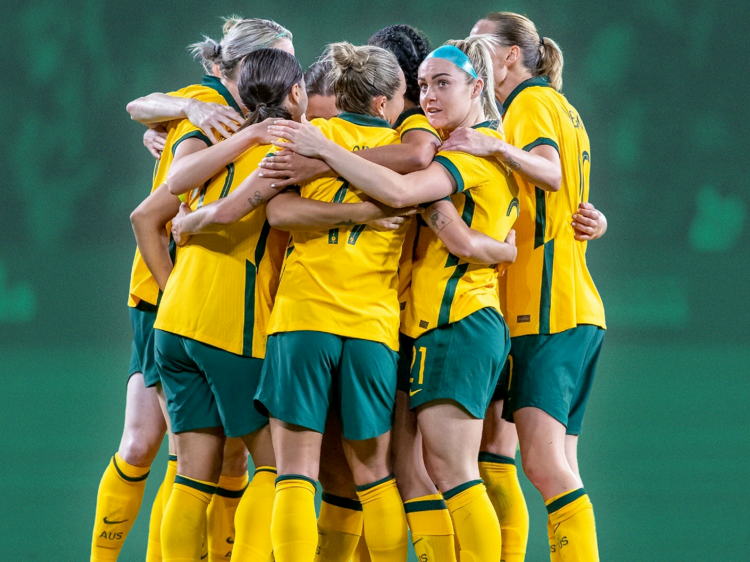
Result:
{"points": [[235, 458], [139, 449], [539, 468]]}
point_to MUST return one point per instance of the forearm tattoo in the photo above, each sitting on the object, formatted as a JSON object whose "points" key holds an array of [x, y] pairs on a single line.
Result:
{"points": [[439, 221], [256, 200], [512, 164]]}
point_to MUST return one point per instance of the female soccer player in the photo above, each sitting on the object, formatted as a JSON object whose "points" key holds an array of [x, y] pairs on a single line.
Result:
{"points": [[121, 490], [451, 301], [550, 298], [209, 332]]}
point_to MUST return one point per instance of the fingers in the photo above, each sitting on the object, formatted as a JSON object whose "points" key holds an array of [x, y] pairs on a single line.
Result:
{"points": [[583, 229], [583, 237], [282, 132], [210, 134], [580, 219], [272, 174], [586, 205]]}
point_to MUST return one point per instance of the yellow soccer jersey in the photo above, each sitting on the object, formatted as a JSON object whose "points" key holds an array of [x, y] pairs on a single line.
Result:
{"points": [[343, 281], [222, 287], [142, 284], [445, 289], [549, 288], [410, 120]]}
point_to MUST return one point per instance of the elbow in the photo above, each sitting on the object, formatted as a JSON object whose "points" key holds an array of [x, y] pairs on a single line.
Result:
{"points": [[137, 217], [421, 157], [555, 183], [133, 108], [174, 185], [398, 198], [275, 216]]}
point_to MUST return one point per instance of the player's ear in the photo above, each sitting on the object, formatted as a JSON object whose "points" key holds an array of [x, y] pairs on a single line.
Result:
{"points": [[216, 70], [476, 91], [513, 54], [378, 105]]}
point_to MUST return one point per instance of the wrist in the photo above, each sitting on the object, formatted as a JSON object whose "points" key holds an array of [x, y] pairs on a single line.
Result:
{"points": [[501, 148]]}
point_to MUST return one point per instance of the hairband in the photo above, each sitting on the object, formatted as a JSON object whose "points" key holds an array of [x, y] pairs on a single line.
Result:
{"points": [[456, 56], [541, 41]]}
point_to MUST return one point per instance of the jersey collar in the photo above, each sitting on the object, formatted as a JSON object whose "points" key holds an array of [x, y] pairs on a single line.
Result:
{"points": [[364, 120], [215, 83], [406, 114], [489, 124], [535, 81]]}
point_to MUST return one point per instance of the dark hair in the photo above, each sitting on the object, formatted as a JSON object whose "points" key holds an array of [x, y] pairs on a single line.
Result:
{"points": [[317, 81], [265, 79], [410, 47]]}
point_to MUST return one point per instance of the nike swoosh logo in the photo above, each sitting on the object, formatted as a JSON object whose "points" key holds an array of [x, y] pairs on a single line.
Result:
{"points": [[230, 540], [413, 392], [416, 541], [204, 556], [114, 522]]}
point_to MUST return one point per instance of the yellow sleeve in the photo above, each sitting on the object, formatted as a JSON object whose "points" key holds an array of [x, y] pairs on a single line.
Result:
{"points": [[417, 122], [468, 171], [531, 124], [186, 130], [186, 92]]}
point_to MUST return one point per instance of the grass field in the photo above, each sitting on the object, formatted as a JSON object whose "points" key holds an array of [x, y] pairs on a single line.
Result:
{"points": [[664, 453]]}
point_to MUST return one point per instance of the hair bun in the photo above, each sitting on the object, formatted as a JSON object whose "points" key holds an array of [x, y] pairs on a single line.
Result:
{"points": [[346, 56]]}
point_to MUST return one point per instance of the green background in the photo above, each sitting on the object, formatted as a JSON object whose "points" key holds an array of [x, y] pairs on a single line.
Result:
{"points": [[662, 88]]}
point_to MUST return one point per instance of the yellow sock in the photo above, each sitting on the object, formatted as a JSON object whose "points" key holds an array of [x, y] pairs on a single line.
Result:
{"points": [[384, 520], [554, 552], [184, 520], [431, 528], [571, 516], [474, 521], [117, 505], [293, 527], [220, 516], [252, 522], [501, 479], [361, 553], [153, 551], [339, 528]]}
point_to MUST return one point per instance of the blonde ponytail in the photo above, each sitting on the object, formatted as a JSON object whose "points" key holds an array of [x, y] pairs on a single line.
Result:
{"points": [[550, 62], [241, 36], [541, 56], [359, 74], [478, 49]]}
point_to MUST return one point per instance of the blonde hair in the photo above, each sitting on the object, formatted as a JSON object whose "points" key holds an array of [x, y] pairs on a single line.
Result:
{"points": [[541, 55], [478, 49], [358, 74], [241, 36]]}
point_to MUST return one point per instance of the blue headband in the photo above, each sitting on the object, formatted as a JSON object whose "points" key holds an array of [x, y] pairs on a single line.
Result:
{"points": [[456, 56]]}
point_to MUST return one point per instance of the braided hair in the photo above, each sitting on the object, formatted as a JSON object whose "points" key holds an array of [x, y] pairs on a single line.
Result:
{"points": [[410, 47]]}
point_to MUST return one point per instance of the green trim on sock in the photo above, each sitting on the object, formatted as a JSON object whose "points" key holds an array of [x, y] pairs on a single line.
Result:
{"points": [[568, 498], [271, 470], [461, 487], [338, 501], [371, 485], [484, 456], [224, 493], [126, 477], [190, 483], [173, 458], [284, 477], [424, 505]]}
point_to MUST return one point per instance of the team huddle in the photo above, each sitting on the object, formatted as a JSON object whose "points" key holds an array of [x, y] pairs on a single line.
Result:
{"points": [[371, 277]]}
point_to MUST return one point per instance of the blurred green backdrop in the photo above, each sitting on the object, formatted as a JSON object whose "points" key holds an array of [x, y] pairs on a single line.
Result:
{"points": [[661, 86]]}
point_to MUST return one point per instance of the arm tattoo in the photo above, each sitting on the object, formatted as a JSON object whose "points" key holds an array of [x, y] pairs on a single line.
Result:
{"points": [[439, 221], [512, 164], [256, 201]]}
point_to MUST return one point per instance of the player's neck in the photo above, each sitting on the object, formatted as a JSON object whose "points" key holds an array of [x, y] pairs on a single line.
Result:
{"points": [[231, 86], [511, 82]]}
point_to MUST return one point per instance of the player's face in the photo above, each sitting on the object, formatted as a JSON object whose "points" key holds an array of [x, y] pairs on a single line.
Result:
{"points": [[498, 54], [323, 107], [284, 44], [445, 93], [395, 106]]}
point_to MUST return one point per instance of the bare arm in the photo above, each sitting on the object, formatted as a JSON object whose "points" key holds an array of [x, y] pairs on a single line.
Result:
{"points": [[466, 243], [589, 223], [289, 211], [415, 153], [158, 108], [149, 222], [250, 194], [193, 166], [379, 182], [540, 166]]}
